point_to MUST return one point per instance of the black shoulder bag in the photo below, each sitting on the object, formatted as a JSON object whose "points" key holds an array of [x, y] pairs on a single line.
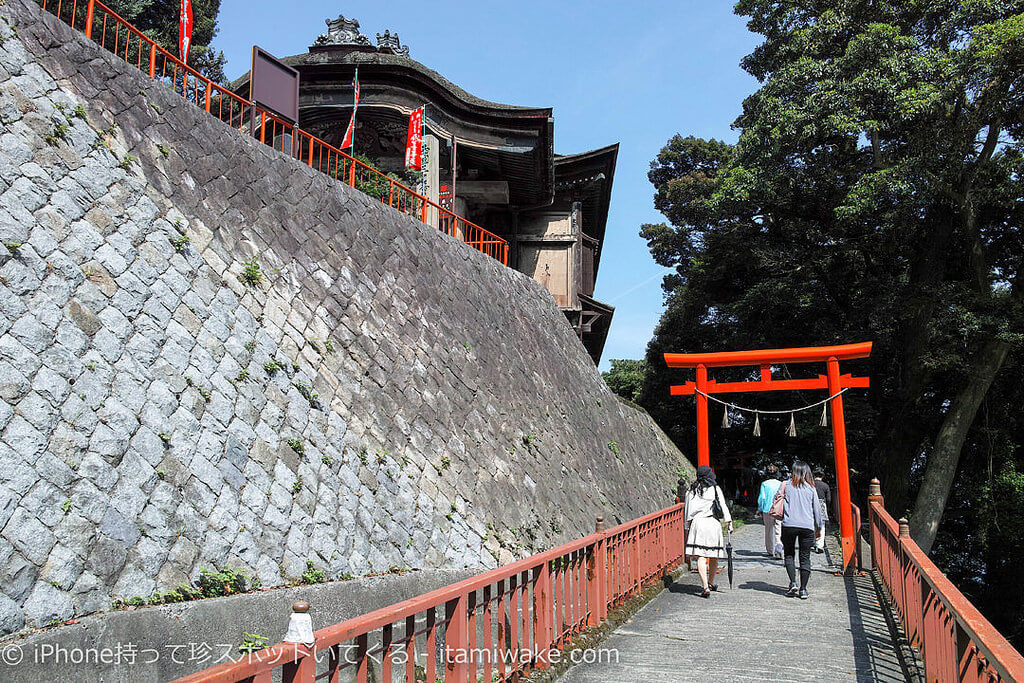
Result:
{"points": [[716, 507]]}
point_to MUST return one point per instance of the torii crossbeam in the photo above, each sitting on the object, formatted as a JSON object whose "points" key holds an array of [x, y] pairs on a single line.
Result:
{"points": [[765, 358]]}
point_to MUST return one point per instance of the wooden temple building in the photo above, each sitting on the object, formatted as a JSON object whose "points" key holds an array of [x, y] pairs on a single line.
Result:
{"points": [[493, 164]]}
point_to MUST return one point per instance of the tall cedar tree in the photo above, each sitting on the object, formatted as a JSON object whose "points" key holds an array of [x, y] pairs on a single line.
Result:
{"points": [[874, 194], [158, 19]]}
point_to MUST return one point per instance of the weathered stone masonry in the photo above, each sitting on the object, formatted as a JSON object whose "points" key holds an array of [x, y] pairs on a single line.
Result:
{"points": [[446, 414]]}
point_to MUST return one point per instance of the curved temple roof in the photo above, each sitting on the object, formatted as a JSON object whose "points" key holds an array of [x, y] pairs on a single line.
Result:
{"points": [[516, 140]]}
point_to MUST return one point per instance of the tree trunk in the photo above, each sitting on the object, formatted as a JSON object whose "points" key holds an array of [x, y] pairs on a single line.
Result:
{"points": [[900, 441], [945, 456]]}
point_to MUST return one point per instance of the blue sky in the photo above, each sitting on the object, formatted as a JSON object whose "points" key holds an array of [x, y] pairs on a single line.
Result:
{"points": [[634, 73]]}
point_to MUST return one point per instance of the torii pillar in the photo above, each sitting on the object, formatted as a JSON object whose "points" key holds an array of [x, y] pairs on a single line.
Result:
{"points": [[834, 382]]}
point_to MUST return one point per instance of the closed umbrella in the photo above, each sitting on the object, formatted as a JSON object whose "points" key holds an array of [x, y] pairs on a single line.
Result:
{"points": [[728, 555]]}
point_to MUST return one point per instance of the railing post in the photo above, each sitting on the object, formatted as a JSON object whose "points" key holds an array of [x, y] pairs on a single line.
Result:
{"points": [[597, 580], [542, 615], [904, 528], [88, 18], [601, 554], [874, 496], [152, 60], [456, 641], [663, 528], [637, 572], [208, 88]]}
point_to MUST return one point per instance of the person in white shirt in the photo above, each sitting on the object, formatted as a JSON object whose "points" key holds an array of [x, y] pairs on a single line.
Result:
{"points": [[704, 538], [772, 526]]}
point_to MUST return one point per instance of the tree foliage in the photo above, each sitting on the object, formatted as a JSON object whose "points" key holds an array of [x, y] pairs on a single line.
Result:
{"points": [[158, 19], [874, 194], [626, 377]]}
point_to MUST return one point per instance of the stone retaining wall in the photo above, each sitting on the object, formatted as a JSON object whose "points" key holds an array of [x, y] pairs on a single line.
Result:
{"points": [[382, 396]]}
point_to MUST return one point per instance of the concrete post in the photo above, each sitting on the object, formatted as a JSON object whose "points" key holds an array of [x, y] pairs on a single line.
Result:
{"points": [[300, 625]]}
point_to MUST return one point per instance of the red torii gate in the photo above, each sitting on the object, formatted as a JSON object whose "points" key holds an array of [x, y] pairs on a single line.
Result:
{"points": [[765, 358]]}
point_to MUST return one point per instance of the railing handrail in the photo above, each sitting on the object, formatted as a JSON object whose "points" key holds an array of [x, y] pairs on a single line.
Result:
{"points": [[998, 652], [361, 625], [499, 249], [392, 613]]}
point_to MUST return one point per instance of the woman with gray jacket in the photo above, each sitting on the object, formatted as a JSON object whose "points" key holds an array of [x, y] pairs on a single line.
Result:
{"points": [[800, 522]]}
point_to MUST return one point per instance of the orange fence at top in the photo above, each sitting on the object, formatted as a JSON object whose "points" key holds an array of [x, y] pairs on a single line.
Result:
{"points": [[955, 641], [116, 35], [497, 626]]}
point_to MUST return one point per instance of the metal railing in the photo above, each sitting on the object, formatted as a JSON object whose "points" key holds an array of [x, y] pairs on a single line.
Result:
{"points": [[115, 34], [858, 559], [498, 625], [955, 641]]}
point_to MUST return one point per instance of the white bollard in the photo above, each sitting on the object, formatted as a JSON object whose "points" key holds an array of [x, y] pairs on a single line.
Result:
{"points": [[300, 625]]}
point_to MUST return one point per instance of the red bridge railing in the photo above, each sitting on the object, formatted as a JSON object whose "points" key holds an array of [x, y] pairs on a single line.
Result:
{"points": [[115, 34], [955, 641], [498, 625]]}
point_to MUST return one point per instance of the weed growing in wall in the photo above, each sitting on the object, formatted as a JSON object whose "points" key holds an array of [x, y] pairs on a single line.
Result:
{"points": [[312, 574], [58, 134], [252, 273], [307, 391], [180, 243], [253, 642]]}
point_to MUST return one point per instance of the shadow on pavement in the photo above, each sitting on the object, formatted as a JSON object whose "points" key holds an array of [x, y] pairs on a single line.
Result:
{"points": [[763, 587], [873, 641]]}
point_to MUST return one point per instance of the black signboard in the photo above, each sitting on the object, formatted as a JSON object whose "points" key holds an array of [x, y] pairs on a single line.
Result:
{"points": [[274, 85]]}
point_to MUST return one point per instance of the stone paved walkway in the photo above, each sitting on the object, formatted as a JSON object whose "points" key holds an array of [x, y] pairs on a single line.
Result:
{"points": [[754, 632]]}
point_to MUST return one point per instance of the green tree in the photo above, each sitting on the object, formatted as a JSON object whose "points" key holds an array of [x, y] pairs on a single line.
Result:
{"points": [[158, 19], [874, 193], [626, 377]]}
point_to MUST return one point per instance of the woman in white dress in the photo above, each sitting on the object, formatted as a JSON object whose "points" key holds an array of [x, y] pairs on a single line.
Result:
{"points": [[704, 538]]}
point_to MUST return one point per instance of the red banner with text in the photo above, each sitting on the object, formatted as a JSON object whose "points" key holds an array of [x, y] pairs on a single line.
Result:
{"points": [[414, 142], [351, 130], [185, 29]]}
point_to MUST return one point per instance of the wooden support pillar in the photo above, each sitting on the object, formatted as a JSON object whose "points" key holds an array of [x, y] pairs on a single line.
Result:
{"points": [[846, 530], [90, 9], [703, 446]]}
